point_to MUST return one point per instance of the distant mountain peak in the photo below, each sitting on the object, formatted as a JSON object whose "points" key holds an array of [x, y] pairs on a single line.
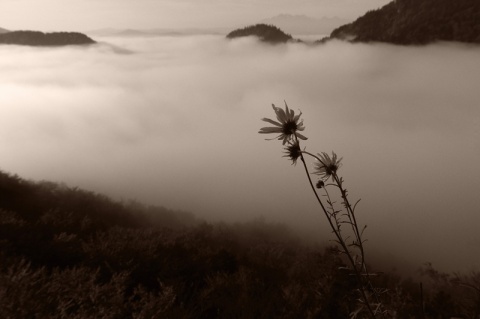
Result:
{"points": [[295, 16], [303, 24]]}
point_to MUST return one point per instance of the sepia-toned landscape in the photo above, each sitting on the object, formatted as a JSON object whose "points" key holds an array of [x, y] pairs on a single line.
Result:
{"points": [[134, 182]]}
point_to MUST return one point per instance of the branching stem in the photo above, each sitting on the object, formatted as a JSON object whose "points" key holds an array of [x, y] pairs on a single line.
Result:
{"points": [[336, 230]]}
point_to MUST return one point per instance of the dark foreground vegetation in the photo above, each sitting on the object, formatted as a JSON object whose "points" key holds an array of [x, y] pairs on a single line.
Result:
{"points": [[70, 253], [416, 22], [37, 38]]}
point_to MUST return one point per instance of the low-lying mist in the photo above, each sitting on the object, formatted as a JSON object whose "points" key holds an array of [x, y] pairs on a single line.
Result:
{"points": [[173, 121]]}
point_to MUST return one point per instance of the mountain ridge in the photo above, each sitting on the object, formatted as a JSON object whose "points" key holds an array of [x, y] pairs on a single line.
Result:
{"points": [[129, 32], [410, 22], [266, 33], [305, 25], [37, 38]]}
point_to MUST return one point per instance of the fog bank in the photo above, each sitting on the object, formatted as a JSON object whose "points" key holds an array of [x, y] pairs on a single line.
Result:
{"points": [[173, 121]]}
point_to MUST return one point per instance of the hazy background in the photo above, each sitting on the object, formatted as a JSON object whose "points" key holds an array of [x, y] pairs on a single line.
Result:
{"points": [[85, 15], [173, 121]]}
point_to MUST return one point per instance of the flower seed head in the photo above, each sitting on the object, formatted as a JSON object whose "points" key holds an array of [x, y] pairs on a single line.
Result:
{"points": [[293, 151], [326, 165]]}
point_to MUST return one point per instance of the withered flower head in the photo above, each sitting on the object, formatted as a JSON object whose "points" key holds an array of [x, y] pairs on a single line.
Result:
{"points": [[326, 165], [293, 151], [320, 184]]}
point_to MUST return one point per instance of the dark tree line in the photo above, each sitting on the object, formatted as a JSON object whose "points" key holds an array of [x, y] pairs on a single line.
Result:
{"points": [[37, 38], [416, 22], [265, 32]]}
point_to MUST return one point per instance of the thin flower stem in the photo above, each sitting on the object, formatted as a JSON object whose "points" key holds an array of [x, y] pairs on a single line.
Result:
{"points": [[340, 239], [358, 234], [318, 198], [314, 156], [337, 234], [287, 127], [351, 216], [350, 211], [333, 214]]}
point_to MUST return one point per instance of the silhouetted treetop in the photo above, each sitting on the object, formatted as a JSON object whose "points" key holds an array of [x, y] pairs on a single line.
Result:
{"points": [[416, 22], [266, 33], [37, 38]]}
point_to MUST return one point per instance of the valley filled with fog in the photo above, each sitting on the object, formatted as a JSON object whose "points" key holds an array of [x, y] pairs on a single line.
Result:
{"points": [[174, 121]]}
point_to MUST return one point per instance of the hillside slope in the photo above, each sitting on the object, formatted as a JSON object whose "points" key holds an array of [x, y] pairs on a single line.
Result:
{"points": [[70, 253], [305, 25], [416, 22], [37, 38], [266, 33]]}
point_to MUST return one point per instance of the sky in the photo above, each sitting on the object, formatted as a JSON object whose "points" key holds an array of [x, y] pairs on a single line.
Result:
{"points": [[173, 121], [86, 15]]}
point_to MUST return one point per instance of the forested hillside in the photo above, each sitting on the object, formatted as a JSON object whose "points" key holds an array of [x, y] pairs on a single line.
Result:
{"points": [[71, 253], [266, 33], [37, 38], [416, 22]]}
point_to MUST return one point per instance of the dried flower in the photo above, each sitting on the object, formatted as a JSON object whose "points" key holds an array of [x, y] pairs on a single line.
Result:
{"points": [[293, 151], [320, 184], [327, 165], [288, 124]]}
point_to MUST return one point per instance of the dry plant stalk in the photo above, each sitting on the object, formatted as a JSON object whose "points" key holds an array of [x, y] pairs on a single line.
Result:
{"points": [[343, 220]]}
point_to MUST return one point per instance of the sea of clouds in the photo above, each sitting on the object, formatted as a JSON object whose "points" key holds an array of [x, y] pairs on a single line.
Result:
{"points": [[173, 121]]}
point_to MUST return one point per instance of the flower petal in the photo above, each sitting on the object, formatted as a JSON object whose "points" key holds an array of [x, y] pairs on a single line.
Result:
{"points": [[287, 111], [271, 139], [297, 117], [300, 126], [300, 136], [281, 116], [267, 130], [272, 122], [291, 115], [286, 138]]}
